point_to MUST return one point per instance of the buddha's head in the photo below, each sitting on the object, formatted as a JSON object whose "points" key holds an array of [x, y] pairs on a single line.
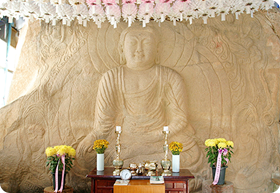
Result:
{"points": [[139, 47]]}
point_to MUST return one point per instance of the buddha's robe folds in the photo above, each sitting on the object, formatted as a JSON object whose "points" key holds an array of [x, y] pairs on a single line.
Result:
{"points": [[142, 114]]}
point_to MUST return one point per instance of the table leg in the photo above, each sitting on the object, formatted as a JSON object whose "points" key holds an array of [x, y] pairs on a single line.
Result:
{"points": [[92, 185]]}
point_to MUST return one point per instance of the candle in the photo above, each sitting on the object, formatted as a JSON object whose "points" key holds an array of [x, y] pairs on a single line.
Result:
{"points": [[165, 128], [118, 128]]}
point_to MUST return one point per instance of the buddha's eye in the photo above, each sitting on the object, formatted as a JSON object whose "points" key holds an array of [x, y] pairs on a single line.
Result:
{"points": [[132, 42], [146, 41]]}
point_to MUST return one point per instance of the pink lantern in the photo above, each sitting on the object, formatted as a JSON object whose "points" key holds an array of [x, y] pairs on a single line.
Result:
{"points": [[65, 12], [48, 11], [109, 2], [148, 1], [179, 9], [129, 12], [161, 10], [145, 12], [113, 14], [91, 2], [97, 14], [128, 1], [166, 1]]}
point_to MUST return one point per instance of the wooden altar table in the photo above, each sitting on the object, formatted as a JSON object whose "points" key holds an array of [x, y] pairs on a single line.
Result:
{"points": [[103, 182], [139, 186]]}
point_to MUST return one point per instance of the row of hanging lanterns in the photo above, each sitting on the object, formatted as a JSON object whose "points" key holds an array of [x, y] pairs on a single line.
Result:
{"points": [[128, 10]]}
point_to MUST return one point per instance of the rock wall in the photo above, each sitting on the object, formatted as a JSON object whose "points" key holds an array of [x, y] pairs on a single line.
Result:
{"points": [[231, 75]]}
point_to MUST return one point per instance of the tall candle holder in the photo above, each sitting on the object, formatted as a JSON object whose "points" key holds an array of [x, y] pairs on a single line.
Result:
{"points": [[165, 163], [118, 163]]}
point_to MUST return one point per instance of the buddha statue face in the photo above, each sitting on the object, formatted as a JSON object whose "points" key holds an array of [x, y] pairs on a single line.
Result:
{"points": [[140, 50]]}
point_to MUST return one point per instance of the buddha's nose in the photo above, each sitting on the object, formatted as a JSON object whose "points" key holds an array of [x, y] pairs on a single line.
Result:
{"points": [[139, 48]]}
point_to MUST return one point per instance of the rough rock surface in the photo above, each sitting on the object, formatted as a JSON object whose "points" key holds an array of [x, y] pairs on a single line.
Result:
{"points": [[230, 71]]}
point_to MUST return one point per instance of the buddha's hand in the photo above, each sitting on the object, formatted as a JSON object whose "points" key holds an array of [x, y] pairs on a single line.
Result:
{"points": [[84, 153]]}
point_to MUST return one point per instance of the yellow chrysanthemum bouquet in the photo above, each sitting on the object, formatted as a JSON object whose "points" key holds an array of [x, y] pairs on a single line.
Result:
{"points": [[176, 147], [100, 146], [216, 146], [54, 155]]}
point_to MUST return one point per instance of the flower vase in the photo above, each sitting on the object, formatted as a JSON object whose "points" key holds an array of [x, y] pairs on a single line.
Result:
{"points": [[59, 180], [175, 163], [222, 175], [100, 162]]}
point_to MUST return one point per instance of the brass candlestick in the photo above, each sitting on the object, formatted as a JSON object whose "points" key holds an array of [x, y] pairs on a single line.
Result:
{"points": [[165, 163], [118, 163]]}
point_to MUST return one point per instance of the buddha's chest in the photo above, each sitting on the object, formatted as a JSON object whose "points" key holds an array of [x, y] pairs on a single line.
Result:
{"points": [[134, 83]]}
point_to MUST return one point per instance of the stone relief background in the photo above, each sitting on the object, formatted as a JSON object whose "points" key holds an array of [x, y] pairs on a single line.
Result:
{"points": [[231, 72]]}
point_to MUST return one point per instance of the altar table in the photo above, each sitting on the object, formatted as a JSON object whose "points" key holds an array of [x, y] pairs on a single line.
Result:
{"points": [[103, 182], [140, 186]]}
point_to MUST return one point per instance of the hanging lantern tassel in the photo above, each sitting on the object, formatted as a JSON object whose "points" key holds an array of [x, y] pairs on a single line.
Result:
{"points": [[98, 23], [54, 22], [181, 16], [147, 19], [223, 17], [47, 18], [31, 19], [80, 21], [190, 20], [129, 21], [10, 19], [252, 13], [112, 21], [115, 24], [85, 23], [204, 19], [248, 9], [162, 17], [174, 22], [68, 22], [64, 21], [236, 15], [144, 23], [212, 13]]}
